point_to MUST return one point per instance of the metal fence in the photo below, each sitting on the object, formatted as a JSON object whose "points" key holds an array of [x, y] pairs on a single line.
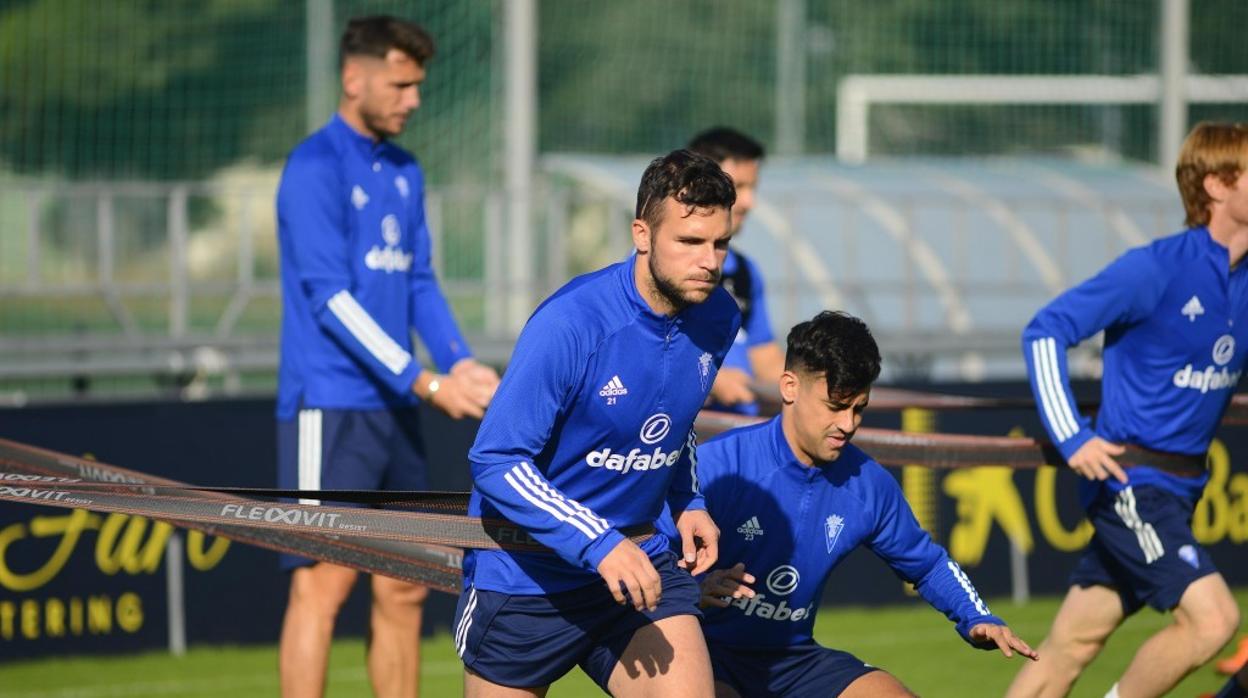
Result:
{"points": [[946, 263]]}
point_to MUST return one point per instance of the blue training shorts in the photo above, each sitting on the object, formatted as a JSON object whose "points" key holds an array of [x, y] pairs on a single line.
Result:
{"points": [[525, 641], [1143, 548], [807, 670], [350, 450]]}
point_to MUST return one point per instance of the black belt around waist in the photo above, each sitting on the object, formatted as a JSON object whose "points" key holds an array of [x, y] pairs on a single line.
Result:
{"points": [[1179, 464]]}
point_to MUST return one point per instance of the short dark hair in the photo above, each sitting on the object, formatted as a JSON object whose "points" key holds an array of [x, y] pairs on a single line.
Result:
{"points": [[693, 180], [725, 143], [838, 345], [376, 35]]}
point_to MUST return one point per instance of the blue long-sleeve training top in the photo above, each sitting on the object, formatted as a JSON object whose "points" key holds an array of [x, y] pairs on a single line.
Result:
{"points": [[356, 275], [591, 429], [1175, 317], [792, 524], [744, 281]]}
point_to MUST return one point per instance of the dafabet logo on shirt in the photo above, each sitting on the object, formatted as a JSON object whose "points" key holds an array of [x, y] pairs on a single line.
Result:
{"points": [[653, 431]]}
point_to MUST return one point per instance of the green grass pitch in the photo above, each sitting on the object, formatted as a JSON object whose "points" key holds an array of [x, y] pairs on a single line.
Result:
{"points": [[911, 641]]}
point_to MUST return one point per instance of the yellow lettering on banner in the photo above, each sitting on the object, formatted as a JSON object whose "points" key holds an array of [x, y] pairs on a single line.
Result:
{"points": [[201, 559], [1238, 525], [1210, 519], [985, 495], [121, 546], [54, 618], [7, 611], [99, 615], [30, 619], [76, 617], [1051, 527], [919, 482], [130, 612], [68, 526]]}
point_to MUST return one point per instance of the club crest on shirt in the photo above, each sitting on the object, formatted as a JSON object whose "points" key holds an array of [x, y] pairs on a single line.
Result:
{"points": [[359, 198], [704, 370], [832, 528]]}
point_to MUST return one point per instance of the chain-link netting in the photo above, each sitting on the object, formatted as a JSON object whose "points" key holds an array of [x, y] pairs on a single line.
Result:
{"points": [[140, 142]]}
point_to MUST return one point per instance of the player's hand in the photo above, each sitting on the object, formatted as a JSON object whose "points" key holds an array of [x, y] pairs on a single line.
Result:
{"points": [[699, 538], [721, 586], [455, 398], [732, 387], [627, 568], [482, 380], [1004, 638], [1095, 460]]}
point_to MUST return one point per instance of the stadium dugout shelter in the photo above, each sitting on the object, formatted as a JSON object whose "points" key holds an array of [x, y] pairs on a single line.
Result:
{"points": [[945, 259]]}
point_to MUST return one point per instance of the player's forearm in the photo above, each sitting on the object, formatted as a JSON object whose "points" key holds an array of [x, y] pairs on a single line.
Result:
{"points": [[523, 496], [949, 590], [434, 322], [1047, 370], [359, 335]]}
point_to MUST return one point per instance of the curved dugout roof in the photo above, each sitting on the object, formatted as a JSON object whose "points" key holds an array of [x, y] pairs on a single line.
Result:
{"points": [[945, 259]]}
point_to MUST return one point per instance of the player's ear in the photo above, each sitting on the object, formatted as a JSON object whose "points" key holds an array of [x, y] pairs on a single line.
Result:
{"points": [[789, 386], [641, 236], [353, 76], [1215, 188]]}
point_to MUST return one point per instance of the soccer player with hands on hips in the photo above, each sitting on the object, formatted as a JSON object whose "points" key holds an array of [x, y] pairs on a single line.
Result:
{"points": [[1175, 318], [793, 498], [590, 434]]}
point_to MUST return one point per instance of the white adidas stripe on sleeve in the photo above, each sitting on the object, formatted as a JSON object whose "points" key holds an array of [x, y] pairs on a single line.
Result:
{"points": [[367, 332]]}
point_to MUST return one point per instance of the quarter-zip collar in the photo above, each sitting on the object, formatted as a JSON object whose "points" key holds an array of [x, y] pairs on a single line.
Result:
{"points": [[345, 134], [787, 459], [628, 278]]}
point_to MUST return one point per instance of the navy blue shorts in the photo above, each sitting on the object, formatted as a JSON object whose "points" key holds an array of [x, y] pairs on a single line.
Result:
{"points": [[349, 450], [797, 671], [526, 641], [1143, 548]]}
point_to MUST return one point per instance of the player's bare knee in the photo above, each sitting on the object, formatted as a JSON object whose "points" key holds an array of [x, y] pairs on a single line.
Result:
{"points": [[321, 588], [399, 595], [1212, 631]]}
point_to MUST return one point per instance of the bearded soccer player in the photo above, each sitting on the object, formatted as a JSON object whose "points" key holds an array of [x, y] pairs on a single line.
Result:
{"points": [[1175, 317], [793, 498], [590, 434], [356, 279], [755, 355]]}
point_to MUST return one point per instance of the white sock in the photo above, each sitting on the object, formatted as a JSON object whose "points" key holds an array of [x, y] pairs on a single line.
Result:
{"points": [[1113, 692]]}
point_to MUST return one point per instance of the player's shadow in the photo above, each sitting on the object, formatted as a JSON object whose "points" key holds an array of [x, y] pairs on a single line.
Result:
{"points": [[649, 652], [753, 523]]}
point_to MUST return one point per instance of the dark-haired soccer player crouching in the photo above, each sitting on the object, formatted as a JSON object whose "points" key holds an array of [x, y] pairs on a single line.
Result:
{"points": [[792, 499]]}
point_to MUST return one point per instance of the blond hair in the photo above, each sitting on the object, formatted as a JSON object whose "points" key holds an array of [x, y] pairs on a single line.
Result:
{"points": [[1219, 149]]}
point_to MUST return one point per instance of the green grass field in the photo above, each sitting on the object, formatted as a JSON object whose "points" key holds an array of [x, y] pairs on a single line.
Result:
{"points": [[911, 641]]}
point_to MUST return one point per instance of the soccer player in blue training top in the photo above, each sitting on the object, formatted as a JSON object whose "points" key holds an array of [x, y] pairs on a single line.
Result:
{"points": [[356, 279], [794, 498], [755, 355], [590, 433], [1175, 316]]}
